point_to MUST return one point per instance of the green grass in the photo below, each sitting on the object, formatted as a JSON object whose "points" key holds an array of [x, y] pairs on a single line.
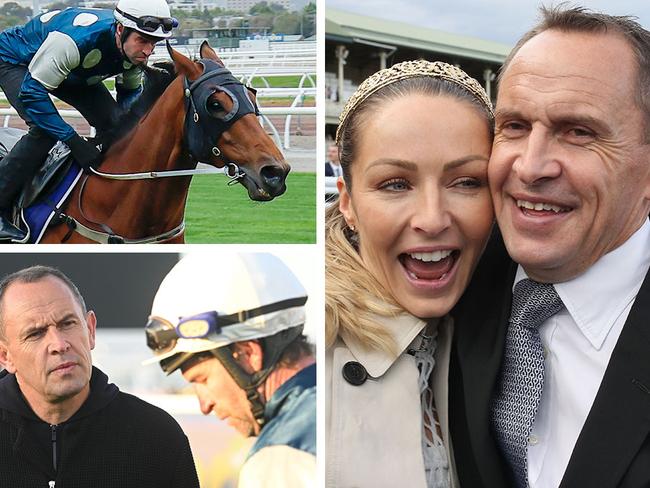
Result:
{"points": [[217, 213], [281, 82], [274, 82]]}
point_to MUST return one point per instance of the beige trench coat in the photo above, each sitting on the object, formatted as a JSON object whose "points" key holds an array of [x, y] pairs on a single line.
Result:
{"points": [[374, 430]]}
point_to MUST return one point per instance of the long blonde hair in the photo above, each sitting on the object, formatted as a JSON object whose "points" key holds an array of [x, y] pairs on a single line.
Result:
{"points": [[352, 294]]}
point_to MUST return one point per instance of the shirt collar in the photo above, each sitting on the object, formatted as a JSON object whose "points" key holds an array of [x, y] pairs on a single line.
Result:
{"points": [[403, 328], [596, 298]]}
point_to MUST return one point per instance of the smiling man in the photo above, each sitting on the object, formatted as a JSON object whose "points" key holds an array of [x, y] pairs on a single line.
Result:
{"points": [[61, 422], [68, 53], [552, 357], [232, 323]]}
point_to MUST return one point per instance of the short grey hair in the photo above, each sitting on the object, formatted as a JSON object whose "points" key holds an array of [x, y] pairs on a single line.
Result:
{"points": [[579, 19], [34, 274]]}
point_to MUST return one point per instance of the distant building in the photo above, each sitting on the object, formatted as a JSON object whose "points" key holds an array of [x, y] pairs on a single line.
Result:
{"points": [[357, 46], [245, 5], [189, 5]]}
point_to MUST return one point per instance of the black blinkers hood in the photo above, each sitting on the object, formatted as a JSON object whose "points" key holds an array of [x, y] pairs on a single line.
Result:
{"points": [[203, 130]]}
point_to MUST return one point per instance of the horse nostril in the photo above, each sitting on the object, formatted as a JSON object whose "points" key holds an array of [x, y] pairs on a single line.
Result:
{"points": [[273, 176]]}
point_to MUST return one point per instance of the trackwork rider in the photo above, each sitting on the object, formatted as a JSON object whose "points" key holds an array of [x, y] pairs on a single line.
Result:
{"points": [[233, 325], [68, 53]]}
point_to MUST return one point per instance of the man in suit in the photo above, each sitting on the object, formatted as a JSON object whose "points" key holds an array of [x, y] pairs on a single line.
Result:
{"points": [[333, 163], [550, 379]]}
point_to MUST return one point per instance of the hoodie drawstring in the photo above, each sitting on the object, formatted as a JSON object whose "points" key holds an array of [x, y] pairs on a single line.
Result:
{"points": [[52, 484]]}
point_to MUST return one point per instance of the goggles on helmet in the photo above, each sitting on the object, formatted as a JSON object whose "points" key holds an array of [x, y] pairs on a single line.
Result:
{"points": [[150, 23], [162, 335]]}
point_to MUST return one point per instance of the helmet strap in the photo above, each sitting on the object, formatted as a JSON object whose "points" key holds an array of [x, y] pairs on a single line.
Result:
{"points": [[244, 381], [126, 32], [273, 347]]}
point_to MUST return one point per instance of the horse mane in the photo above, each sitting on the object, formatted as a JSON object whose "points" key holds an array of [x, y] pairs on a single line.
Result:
{"points": [[156, 80]]}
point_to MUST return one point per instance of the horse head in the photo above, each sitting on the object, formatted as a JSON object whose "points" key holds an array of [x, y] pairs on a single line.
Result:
{"points": [[222, 129]]}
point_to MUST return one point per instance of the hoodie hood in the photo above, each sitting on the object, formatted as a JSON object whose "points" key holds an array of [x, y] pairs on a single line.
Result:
{"points": [[101, 394]]}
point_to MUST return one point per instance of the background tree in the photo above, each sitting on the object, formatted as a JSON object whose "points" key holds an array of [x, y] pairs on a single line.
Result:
{"points": [[309, 20], [287, 23], [13, 14]]}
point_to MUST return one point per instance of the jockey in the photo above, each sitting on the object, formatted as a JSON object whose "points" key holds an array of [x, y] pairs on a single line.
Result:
{"points": [[68, 53], [232, 324]]}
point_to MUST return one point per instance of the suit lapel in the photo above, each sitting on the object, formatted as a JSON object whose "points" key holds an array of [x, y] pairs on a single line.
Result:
{"points": [[619, 420]]}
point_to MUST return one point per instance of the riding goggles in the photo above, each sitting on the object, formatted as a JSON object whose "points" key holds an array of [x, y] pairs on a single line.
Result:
{"points": [[162, 336], [150, 23]]}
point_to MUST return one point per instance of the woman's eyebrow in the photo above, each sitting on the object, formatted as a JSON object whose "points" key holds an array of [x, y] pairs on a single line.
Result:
{"points": [[456, 163], [402, 163]]}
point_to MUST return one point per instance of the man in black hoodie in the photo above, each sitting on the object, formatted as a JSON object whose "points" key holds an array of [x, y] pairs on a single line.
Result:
{"points": [[62, 424]]}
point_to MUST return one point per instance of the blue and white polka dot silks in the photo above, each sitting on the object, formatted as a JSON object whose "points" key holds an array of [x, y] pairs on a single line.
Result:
{"points": [[74, 47], [522, 373]]}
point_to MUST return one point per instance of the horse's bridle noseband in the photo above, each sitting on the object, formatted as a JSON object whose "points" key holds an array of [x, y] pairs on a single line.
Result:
{"points": [[202, 129]]}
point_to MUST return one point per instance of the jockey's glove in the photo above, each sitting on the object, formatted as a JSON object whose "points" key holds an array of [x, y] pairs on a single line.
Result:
{"points": [[84, 152]]}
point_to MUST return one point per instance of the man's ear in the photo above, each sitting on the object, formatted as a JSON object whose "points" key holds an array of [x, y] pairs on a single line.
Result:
{"points": [[5, 358], [249, 355], [118, 34], [91, 323]]}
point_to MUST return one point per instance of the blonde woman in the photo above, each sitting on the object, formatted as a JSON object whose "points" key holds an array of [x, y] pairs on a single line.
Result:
{"points": [[413, 217]]}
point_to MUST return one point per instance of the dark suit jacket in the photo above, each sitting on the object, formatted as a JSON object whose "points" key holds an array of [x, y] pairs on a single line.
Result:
{"points": [[329, 170], [613, 448]]}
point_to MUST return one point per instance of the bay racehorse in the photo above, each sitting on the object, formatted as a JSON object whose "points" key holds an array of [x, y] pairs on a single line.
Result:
{"points": [[138, 194]]}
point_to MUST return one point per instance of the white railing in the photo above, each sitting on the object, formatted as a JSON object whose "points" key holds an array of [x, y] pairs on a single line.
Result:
{"points": [[268, 111], [261, 93], [265, 113]]}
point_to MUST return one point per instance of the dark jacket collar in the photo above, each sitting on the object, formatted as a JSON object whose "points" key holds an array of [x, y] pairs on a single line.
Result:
{"points": [[101, 394]]}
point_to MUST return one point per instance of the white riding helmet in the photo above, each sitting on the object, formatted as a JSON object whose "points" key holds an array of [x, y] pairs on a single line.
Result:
{"points": [[209, 301], [150, 17]]}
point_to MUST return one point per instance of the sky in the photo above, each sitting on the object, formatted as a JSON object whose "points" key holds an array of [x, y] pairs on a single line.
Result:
{"points": [[495, 20]]}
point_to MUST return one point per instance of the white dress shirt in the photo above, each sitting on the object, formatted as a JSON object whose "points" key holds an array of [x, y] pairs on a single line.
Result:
{"points": [[578, 343]]}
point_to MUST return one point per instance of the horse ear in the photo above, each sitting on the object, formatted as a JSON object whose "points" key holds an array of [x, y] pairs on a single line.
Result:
{"points": [[207, 52], [183, 64]]}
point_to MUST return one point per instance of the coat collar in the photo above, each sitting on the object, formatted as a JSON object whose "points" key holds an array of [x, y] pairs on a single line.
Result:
{"points": [[403, 328]]}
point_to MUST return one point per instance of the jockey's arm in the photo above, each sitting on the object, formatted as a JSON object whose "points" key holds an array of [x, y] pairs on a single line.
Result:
{"points": [[51, 64]]}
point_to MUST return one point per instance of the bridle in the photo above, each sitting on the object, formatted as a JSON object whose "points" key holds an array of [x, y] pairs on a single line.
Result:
{"points": [[202, 131], [202, 128]]}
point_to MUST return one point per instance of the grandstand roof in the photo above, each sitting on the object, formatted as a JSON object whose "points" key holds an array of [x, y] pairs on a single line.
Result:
{"points": [[348, 27]]}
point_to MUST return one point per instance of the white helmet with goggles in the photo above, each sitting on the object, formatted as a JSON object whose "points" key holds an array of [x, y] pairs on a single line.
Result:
{"points": [[150, 17]]}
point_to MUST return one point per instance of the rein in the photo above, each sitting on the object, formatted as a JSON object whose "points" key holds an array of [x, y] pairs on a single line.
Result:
{"points": [[200, 127], [231, 170]]}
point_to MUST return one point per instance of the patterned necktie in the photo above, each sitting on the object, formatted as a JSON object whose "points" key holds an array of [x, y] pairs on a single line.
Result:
{"points": [[522, 373]]}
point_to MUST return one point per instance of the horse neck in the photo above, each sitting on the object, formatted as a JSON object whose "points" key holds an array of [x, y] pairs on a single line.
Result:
{"points": [[155, 144]]}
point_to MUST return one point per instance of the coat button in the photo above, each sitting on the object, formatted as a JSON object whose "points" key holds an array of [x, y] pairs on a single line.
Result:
{"points": [[354, 373]]}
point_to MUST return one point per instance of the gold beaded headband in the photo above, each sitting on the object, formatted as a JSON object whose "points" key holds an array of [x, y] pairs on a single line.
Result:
{"points": [[412, 69]]}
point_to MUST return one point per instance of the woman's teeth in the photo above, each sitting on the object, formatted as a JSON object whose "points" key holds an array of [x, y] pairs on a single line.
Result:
{"points": [[431, 256]]}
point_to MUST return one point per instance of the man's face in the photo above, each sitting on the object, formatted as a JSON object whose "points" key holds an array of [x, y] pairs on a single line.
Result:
{"points": [[333, 154], [47, 341], [570, 168], [138, 47], [217, 392]]}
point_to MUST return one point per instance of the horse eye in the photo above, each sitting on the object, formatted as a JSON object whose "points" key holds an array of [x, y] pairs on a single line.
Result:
{"points": [[216, 109]]}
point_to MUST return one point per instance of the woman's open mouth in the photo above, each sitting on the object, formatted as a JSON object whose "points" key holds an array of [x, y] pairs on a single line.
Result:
{"points": [[429, 268]]}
